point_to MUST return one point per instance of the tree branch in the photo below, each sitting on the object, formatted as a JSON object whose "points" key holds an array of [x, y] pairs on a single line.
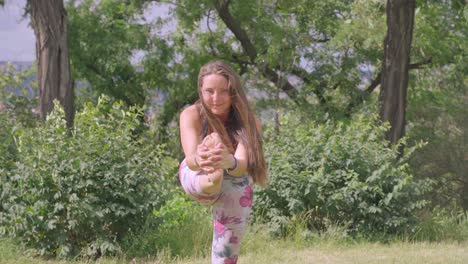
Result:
{"points": [[239, 33], [301, 73], [378, 78], [376, 82], [223, 11], [419, 65]]}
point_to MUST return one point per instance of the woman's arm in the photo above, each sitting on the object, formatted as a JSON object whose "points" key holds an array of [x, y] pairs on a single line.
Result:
{"points": [[221, 158], [241, 156], [190, 128], [241, 159]]}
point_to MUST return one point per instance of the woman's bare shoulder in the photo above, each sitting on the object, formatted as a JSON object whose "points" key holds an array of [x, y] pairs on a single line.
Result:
{"points": [[190, 113]]}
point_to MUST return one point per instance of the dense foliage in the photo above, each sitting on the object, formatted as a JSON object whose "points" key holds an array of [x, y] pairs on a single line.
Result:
{"points": [[7, 146], [338, 173], [107, 183], [438, 114], [107, 37], [81, 190]]}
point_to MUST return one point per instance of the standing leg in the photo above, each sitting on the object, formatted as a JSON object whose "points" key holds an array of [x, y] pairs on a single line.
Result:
{"points": [[231, 210], [230, 218]]}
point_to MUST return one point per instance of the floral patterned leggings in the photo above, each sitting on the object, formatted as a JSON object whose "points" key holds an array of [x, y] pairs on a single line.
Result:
{"points": [[231, 210]]}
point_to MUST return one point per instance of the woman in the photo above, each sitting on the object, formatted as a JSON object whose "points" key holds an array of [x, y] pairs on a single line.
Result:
{"points": [[222, 173]]}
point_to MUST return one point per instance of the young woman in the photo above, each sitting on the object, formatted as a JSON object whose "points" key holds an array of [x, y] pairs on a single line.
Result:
{"points": [[222, 173]]}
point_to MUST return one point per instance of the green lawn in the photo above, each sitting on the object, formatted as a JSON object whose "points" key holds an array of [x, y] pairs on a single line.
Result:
{"points": [[365, 253], [280, 252]]}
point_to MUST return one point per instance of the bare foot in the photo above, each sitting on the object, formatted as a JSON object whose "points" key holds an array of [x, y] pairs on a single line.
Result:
{"points": [[213, 180]]}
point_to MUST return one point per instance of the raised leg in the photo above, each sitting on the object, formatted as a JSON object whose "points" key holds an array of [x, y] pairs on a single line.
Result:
{"points": [[211, 183]]}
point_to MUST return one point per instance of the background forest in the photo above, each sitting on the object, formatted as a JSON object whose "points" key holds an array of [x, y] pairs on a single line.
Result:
{"points": [[363, 104]]}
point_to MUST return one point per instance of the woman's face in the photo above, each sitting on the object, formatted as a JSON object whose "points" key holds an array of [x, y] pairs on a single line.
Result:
{"points": [[216, 95]]}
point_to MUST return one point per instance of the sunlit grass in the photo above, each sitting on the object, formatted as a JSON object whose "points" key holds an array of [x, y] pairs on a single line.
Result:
{"points": [[438, 239], [260, 249]]}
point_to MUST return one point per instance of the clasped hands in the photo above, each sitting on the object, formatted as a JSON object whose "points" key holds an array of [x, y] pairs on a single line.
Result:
{"points": [[211, 159]]}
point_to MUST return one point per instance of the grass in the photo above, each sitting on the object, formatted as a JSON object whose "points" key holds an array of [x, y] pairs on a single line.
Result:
{"points": [[361, 253], [283, 251], [440, 238], [260, 248]]}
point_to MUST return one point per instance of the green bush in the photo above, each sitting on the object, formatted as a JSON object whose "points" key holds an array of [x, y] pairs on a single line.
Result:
{"points": [[80, 191], [7, 145], [16, 107], [7, 151], [439, 116], [338, 173], [18, 95]]}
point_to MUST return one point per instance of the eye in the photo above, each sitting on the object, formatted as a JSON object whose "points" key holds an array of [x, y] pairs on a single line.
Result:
{"points": [[209, 91]]}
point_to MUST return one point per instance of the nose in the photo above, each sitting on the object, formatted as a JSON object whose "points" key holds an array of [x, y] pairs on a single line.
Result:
{"points": [[217, 96]]}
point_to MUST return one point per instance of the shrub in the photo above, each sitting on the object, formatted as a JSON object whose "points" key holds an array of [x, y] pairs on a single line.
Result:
{"points": [[338, 173], [19, 95], [7, 145], [81, 190], [7, 151], [438, 116]]}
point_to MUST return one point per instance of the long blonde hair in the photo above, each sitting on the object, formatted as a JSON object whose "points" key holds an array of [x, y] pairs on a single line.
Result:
{"points": [[241, 124]]}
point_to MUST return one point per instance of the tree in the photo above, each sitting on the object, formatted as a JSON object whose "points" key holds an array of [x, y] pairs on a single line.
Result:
{"points": [[105, 36], [266, 40], [222, 8], [437, 104], [49, 22], [395, 66]]}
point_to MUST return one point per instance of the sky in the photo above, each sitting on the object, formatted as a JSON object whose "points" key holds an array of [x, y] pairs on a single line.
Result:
{"points": [[17, 39]]}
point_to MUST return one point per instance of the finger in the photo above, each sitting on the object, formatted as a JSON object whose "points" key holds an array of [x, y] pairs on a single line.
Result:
{"points": [[220, 146], [204, 154], [205, 163], [217, 165], [208, 163], [202, 148], [208, 169], [215, 158], [215, 152]]}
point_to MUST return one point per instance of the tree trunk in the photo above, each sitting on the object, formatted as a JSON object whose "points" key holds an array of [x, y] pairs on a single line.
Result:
{"points": [[395, 67], [49, 21]]}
